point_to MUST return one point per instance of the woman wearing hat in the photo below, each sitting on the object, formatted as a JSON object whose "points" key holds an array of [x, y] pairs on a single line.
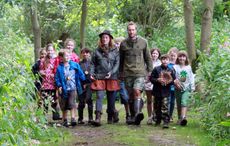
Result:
{"points": [[104, 67]]}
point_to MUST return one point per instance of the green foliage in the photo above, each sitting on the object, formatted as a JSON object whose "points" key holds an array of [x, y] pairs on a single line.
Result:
{"points": [[149, 13], [18, 115], [213, 75]]}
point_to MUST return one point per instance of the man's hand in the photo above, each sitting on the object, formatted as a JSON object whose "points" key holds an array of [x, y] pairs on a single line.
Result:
{"points": [[108, 75]]}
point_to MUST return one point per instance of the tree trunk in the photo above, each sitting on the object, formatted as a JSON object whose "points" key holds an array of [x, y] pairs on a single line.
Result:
{"points": [[189, 29], [83, 21], [36, 31], [206, 25]]}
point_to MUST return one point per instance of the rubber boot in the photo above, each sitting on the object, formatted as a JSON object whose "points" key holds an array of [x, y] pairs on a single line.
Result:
{"points": [[80, 114], [90, 114], [131, 119], [110, 118], [139, 116], [115, 116], [97, 121]]}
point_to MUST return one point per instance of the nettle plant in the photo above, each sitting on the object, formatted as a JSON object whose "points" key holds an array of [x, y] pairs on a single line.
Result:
{"points": [[214, 75]]}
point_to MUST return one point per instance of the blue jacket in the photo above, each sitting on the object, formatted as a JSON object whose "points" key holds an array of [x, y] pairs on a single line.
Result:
{"points": [[60, 79]]}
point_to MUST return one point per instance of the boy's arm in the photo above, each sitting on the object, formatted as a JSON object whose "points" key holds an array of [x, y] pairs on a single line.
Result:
{"points": [[154, 76], [57, 79]]}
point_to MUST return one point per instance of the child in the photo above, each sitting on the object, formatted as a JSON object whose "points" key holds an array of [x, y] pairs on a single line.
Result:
{"points": [[122, 92], [47, 70], [70, 45], [35, 70], [184, 85], [86, 96], [172, 61], [162, 78], [67, 79], [155, 54]]}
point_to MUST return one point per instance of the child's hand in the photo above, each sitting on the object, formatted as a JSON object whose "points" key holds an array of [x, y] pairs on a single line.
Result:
{"points": [[60, 90], [177, 84], [162, 81]]}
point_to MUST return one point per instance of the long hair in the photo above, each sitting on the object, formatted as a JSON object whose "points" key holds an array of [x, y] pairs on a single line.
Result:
{"points": [[101, 45], [182, 53]]}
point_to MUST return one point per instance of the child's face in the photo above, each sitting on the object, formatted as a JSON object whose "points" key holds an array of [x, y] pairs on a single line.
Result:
{"points": [[70, 46], [50, 51], [155, 55], [173, 56], [85, 55], [164, 61], [42, 54], [66, 57], [182, 59], [118, 44]]}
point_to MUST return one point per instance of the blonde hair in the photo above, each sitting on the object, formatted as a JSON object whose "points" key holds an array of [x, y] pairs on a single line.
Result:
{"points": [[173, 50], [69, 40], [119, 39]]}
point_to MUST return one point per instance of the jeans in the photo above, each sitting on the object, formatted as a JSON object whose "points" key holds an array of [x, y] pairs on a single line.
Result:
{"points": [[111, 98], [123, 93], [171, 103]]}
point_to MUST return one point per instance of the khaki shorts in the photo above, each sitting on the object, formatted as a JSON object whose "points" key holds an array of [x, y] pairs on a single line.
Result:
{"points": [[135, 82]]}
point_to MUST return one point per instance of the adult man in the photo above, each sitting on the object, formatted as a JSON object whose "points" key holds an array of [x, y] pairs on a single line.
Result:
{"points": [[135, 62]]}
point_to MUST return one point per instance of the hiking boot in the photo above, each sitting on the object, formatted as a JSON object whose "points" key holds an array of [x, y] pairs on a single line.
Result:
{"points": [[56, 116], [65, 123], [97, 121], [183, 122], [73, 122], [165, 125]]}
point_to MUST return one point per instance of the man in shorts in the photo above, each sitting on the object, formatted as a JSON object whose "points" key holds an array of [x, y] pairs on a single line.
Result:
{"points": [[135, 64]]}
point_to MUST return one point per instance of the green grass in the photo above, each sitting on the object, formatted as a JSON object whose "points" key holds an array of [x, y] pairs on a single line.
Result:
{"points": [[144, 134]]}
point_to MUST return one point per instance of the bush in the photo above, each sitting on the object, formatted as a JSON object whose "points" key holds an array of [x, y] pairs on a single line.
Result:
{"points": [[18, 114], [213, 75]]}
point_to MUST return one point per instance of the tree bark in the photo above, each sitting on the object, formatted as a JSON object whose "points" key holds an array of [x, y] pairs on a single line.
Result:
{"points": [[36, 31], [189, 30], [206, 25], [83, 23]]}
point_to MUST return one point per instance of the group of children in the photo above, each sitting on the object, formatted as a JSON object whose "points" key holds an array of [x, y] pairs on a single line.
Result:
{"points": [[165, 89], [65, 78]]}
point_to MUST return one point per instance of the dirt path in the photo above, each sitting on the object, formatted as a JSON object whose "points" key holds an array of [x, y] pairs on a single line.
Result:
{"points": [[121, 134]]}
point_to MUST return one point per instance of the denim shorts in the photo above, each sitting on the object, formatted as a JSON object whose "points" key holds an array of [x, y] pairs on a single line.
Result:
{"points": [[135, 82]]}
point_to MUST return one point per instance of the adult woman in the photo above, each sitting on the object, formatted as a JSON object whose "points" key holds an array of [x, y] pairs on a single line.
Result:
{"points": [[104, 67]]}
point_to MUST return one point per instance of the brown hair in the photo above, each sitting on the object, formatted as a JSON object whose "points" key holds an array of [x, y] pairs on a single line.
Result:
{"points": [[62, 52], [111, 43], [156, 49], [69, 40], [182, 53]]}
